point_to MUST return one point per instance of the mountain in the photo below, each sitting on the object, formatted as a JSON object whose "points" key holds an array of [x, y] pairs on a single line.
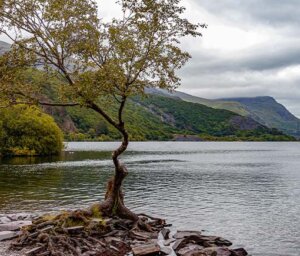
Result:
{"points": [[218, 104], [4, 47], [156, 117], [265, 110]]}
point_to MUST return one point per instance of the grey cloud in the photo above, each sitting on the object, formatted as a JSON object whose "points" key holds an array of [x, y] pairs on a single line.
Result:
{"points": [[261, 58], [258, 70], [271, 12]]}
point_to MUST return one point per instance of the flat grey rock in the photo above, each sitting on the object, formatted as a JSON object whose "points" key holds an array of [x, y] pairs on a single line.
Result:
{"points": [[169, 241], [14, 225], [4, 220], [146, 249], [166, 250], [6, 235]]}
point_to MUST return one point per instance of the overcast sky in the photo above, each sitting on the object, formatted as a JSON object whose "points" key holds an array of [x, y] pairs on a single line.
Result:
{"points": [[251, 48]]}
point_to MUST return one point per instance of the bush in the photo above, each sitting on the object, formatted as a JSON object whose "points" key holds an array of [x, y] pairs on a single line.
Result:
{"points": [[28, 131]]}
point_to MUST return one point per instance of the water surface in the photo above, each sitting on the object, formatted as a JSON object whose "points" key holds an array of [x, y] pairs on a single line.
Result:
{"points": [[247, 192]]}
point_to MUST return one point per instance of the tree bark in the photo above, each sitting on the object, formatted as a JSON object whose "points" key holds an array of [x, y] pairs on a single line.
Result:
{"points": [[114, 198]]}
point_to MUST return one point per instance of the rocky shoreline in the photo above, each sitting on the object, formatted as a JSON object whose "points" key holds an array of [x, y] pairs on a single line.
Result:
{"points": [[119, 240]]}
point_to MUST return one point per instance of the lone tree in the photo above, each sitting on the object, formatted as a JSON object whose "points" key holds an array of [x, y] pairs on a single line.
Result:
{"points": [[95, 62]]}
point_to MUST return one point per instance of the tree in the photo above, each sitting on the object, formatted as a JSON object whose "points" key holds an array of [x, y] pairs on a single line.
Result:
{"points": [[96, 62], [27, 131]]}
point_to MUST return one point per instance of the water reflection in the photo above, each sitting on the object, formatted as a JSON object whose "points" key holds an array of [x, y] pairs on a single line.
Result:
{"points": [[247, 192]]}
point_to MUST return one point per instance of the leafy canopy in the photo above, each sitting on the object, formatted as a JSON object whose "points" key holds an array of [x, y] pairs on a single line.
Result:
{"points": [[91, 58]]}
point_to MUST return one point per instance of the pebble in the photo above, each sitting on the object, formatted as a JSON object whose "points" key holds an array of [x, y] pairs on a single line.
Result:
{"points": [[4, 245]]}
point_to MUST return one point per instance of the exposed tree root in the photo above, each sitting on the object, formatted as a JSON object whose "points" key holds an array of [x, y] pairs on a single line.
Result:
{"points": [[85, 232], [107, 228]]}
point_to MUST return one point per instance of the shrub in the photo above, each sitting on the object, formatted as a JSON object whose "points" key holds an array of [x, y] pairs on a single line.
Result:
{"points": [[28, 131]]}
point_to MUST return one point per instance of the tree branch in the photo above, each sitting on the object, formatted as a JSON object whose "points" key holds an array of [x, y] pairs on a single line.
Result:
{"points": [[95, 107], [69, 104], [122, 105], [56, 104]]}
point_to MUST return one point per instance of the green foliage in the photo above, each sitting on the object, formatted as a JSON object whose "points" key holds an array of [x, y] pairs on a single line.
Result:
{"points": [[162, 118], [27, 131], [264, 110], [91, 59], [140, 122], [192, 117]]}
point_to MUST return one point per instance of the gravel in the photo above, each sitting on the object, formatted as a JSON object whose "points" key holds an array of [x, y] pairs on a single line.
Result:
{"points": [[5, 252]]}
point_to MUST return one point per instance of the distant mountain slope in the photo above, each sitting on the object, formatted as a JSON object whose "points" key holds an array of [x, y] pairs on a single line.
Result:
{"points": [[218, 104], [269, 112], [265, 110], [165, 118], [4, 47]]}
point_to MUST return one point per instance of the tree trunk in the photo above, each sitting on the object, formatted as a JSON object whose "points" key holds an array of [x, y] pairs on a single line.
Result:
{"points": [[114, 198]]}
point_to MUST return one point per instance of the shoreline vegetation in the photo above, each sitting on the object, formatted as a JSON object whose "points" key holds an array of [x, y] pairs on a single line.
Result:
{"points": [[187, 138], [77, 233], [25, 152], [27, 131]]}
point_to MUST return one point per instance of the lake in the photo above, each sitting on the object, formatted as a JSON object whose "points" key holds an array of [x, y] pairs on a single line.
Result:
{"points": [[248, 193]]}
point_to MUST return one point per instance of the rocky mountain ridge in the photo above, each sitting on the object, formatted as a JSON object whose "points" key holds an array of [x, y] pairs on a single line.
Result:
{"points": [[263, 109]]}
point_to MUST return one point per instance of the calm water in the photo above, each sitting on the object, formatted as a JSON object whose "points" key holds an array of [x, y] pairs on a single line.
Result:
{"points": [[246, 192]]}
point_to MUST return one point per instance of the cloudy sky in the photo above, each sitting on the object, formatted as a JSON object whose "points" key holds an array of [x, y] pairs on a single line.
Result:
{"points": [[251, 48]]}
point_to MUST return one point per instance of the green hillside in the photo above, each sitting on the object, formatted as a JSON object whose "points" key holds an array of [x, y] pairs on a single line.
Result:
{"points": [[269, 112], [161, 118], [218, 104], [265, 110]]}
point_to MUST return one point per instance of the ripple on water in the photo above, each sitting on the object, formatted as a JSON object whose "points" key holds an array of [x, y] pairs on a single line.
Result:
{"points": [[246, 192]]}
